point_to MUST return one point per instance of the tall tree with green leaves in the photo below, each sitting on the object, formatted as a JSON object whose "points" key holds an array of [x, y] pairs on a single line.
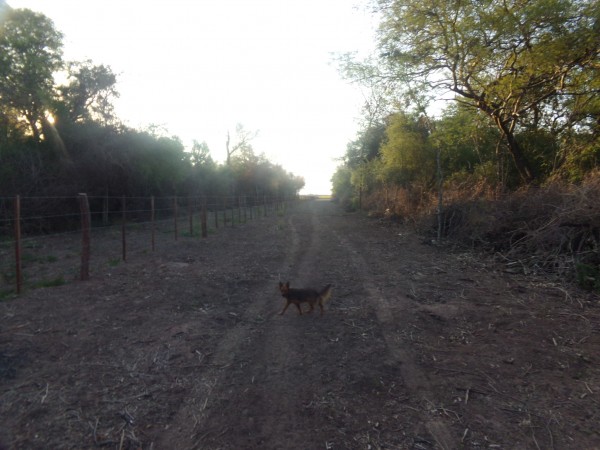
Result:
{"points": [[468, 142], [515, 60], [242, 143], [89, 92], [30, 54], [407, 154]]}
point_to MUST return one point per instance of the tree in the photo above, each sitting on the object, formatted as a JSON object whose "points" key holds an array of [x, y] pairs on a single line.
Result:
{"points": [[89, 92], [407, 154], [200, 154], [366, 146], [341, 182], [30, 53], [511, 59], [242, 142], [467, 139]]}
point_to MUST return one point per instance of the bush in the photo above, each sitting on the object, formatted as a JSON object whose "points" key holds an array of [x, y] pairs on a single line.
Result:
{"points": [[554, 228]]}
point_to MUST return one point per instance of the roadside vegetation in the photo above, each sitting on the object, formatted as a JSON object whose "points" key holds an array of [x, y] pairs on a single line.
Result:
{"points": [[58, 138], [509, 161], [481, 127]]}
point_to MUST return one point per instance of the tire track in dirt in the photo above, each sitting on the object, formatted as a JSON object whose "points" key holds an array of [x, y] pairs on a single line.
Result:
{"points": [[418, 349], [212, 401], [292, 378], [277, 382], [246, 402], [414, 378], [308, 381]]}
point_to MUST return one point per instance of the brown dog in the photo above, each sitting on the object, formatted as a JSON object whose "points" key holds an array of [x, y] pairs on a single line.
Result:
{"points": [[310, 296]]}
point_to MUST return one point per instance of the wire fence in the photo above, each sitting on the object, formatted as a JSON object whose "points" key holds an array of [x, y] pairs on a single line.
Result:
{"points": [[48, 241]]}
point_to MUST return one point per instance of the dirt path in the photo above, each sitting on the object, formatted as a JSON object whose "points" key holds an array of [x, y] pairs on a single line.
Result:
{"points": [[299, 381], [418, 349]]}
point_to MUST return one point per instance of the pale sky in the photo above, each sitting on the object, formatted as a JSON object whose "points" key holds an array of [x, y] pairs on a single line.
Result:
{"points": [[199, 67]]}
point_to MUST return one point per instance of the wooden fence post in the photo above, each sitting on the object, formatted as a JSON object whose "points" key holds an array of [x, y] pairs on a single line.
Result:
{"points": [[123, 234], [203, 224], [245, 209], [190, 216], [152, 224], [105, 210], [18, 274], [175, 215], [216, 213], [84, 210]]}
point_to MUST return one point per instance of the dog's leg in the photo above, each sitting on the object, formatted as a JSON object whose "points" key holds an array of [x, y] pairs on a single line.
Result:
{"points": [[284, 308], [299, 309], [321, 306]]}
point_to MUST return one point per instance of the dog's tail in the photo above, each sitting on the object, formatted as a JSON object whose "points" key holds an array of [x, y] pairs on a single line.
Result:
{"points": [[325, 294]]}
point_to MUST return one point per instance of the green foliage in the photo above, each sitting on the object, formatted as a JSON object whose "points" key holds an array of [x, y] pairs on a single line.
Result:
{"points": [[525, 79], [114, 262], [159, 163], [200, 155], [88, 94], [7, 294], [588, 276], [526, 65], [53, 282], [580, 158], [466, 138], [366, 147], [342, 188], [30, 54], [407, 153], [87, 149], [543, 149]]}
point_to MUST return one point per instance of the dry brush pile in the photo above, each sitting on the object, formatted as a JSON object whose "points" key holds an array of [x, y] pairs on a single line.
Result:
{"points": [[554, 229]]}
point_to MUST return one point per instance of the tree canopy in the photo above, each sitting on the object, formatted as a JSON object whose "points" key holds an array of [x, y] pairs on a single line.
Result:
{"points": [[525, 75], [30, 54], [520, 62], [526, 64], [60, 139]]}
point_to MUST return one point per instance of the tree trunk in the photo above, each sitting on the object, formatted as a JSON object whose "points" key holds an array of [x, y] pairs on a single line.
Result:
{"points": [[522, 165], [34, 129], [53, 139], [440, 206]]}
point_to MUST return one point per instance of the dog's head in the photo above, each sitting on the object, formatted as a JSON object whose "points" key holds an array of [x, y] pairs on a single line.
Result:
{"points": [[284, 288]]}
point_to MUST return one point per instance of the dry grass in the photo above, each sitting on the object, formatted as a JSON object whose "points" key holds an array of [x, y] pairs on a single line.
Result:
{"points": [[553, 229]]}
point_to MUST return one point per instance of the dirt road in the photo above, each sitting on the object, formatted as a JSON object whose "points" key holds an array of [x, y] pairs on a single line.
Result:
{"points": [[418, 348]]}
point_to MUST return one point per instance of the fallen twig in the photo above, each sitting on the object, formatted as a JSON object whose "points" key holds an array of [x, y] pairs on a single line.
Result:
{"points": [[98, 443], [16, 327], [464, 435], [46, 393], [533, 433]]}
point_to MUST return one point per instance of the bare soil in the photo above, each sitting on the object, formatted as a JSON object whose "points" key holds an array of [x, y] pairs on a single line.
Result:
{"points": [[419, 348]]}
